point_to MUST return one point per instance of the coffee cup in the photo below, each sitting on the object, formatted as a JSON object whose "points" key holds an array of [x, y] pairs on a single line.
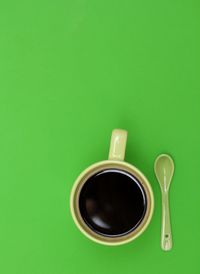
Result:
{"points": [[112, 201]]}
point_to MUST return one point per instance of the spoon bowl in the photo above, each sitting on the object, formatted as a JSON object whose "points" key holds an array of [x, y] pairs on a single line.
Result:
{"points": [[164, 170]]}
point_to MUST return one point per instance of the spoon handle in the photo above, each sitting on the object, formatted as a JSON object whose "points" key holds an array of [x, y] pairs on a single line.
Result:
{"points": [[166, 235]]}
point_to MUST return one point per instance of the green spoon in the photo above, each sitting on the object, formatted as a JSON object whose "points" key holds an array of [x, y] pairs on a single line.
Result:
{"points": [[164, 170]]}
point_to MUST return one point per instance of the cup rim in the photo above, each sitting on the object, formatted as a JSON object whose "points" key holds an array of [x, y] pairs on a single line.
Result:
{"points": [[75, 212]]}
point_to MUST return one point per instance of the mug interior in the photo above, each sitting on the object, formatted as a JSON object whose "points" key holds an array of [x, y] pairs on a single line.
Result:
{"points": [[86, 228], [112, 202]]}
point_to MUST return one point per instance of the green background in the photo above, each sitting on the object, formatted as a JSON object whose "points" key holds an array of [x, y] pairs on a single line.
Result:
{"points": [[70, 72]]}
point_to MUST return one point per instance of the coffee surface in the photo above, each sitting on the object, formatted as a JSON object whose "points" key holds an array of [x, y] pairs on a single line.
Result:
{"points": [[112, 202]]}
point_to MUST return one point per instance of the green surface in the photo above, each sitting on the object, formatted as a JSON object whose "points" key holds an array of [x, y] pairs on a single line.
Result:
{"points": [[70, 72]]}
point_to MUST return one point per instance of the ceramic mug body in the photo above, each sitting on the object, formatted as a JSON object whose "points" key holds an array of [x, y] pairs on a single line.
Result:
{"points": [[115, 161]]}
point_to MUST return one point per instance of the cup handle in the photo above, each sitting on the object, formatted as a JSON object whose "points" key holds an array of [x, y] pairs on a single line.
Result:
{"points": [[118, 145]]}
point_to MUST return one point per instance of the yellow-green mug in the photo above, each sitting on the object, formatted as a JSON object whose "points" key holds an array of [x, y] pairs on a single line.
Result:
{"points": [[114, 162]]}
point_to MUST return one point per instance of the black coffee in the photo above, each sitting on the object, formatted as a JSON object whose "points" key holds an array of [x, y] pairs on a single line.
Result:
{"points": [[112, 202]]}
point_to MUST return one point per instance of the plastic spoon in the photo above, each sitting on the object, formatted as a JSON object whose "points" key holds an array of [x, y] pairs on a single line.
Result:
{"points": [[164, 170]]}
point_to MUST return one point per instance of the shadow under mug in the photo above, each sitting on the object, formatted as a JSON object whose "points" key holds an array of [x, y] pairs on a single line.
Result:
{"points": [[116, 162]]}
